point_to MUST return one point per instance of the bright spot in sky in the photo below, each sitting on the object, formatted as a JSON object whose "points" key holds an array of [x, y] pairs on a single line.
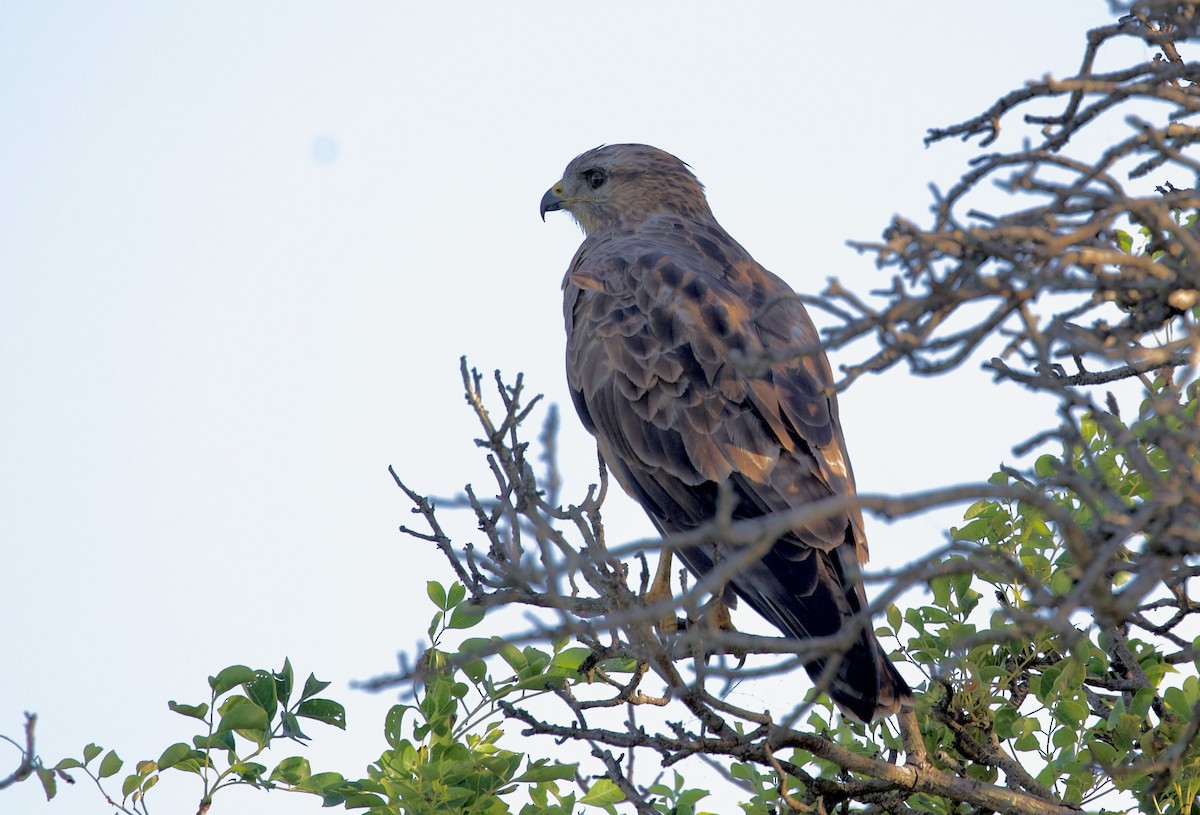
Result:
{"points": [[325, 149]]}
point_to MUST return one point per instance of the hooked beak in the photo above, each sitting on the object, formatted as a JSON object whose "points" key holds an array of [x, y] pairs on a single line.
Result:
{"points": [[552, 201]]}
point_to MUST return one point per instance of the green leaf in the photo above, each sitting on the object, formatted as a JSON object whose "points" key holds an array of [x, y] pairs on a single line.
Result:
{"points": [[90, 752], [961, 582], [283, 683], [1046, 466], [262, 691], [194, 762], [49, 781], [365, 800], [1005, 721], [1176, 700], [68, 764], [1045, 686], [393, 725], [1048, 775], [466, 616], [1087, 428], [312, 686], [437, 594], [173, 755], [1103, 754], [933, 614], [132, 782], [292, 770], [483, 646], [538, 659], [893, 617], [1156, 670], [513, 656], [1026, 743], [231, 702], [110, 765], [434, 625], [620, 666], [538, 794], [1142, 701], [457, 594], [976, 530], [542, 770], [1063, 737], [941, 590], [150, 782], [1071, 679], [229, 678], [323, 781], [475, 669], [192, 711], [249, 771], [1061, 583], [603, 793], [323, 710], [217, 741], [569, 660], [291, 727], [248, 716]]}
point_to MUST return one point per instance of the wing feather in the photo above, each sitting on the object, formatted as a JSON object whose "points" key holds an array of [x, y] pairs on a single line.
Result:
{"points": [[652, 345]]}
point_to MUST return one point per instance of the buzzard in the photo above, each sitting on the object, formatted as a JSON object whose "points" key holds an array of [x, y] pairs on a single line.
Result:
{"points": [[661, 305]]}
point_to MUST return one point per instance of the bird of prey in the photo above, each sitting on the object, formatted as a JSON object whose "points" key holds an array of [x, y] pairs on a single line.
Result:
{"points": [[663, 310]]}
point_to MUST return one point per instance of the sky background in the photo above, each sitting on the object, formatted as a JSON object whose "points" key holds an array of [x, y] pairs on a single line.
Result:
{"points": [[243, 246]]}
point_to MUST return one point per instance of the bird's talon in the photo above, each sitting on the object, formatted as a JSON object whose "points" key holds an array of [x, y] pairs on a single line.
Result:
{"points": [[717, 618]]}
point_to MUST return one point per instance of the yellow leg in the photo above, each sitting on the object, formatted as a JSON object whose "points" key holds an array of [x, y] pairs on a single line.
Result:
{"points": [[660, 590], [716, 615]]}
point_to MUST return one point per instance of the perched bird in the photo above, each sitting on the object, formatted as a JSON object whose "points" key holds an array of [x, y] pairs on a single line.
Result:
{"points": [[661, 304]]}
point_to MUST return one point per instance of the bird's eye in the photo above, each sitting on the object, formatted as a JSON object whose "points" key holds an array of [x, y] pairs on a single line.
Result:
{"points": [[595, 178]]}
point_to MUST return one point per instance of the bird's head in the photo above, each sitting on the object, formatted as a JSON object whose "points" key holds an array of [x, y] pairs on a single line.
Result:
{"points": [[619, 186]]}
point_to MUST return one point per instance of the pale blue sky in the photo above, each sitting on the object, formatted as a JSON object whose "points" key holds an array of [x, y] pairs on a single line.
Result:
{"points": [[242, 247]]}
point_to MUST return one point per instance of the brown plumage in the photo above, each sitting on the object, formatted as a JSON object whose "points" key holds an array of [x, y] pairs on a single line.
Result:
{"points": [[659, 303]]}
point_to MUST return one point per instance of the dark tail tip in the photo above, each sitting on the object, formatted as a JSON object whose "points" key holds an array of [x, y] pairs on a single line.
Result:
{"points": [[867, 685]]}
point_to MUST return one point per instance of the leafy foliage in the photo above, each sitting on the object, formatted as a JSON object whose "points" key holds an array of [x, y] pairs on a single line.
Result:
{"points": [[453, 761], [1087, 705], [443, 751], [235, 729]]}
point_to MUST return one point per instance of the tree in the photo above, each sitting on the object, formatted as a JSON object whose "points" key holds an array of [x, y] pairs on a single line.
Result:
{"points": [[1059, 666], [1082, 659]]}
